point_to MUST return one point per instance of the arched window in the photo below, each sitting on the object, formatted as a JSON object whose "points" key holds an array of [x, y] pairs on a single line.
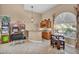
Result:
{"points": [[65, 24]]}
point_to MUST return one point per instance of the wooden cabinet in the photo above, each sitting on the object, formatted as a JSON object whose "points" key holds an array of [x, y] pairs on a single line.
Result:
{"points": [[43, 24], [46, 24], [46, 35]]}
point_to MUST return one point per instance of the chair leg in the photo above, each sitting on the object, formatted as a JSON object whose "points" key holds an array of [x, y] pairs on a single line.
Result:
{"points": [[53, 45], [58, 48], [63, 45]]}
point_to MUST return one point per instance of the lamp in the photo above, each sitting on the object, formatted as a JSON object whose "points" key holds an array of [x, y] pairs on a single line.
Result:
{"points": [[32, 19]]}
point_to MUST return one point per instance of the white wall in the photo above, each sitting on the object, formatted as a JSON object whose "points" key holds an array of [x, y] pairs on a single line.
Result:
{"points": [[17, 13]]}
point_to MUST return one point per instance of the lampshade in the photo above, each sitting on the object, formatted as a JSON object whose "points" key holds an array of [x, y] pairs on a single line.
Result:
{"points": [[32, 19]]}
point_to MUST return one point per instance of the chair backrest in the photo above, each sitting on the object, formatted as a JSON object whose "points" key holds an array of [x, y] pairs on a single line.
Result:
{"points": [[53, 37], [61, 38]]}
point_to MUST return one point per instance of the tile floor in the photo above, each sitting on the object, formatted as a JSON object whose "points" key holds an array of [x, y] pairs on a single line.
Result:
{"points": [[34, 47]]}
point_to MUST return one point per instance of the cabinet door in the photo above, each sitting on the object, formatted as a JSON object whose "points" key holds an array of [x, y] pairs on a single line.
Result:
{"points": [[46, 35]]}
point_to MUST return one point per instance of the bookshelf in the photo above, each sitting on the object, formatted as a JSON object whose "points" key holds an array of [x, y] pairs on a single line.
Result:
{"points": [[5, 29]]}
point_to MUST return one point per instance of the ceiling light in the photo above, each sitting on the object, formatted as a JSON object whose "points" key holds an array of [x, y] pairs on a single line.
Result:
{"points": [[32, 19]]}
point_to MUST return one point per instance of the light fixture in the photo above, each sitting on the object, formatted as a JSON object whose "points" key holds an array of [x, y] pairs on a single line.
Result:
{"points": [[32, 19]]}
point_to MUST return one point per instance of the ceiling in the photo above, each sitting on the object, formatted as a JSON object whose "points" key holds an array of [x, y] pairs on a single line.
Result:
{"points": [[39, 8]]}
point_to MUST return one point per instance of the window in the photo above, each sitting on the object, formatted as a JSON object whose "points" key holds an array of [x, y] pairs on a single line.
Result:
{"points": [[65, 24]]}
